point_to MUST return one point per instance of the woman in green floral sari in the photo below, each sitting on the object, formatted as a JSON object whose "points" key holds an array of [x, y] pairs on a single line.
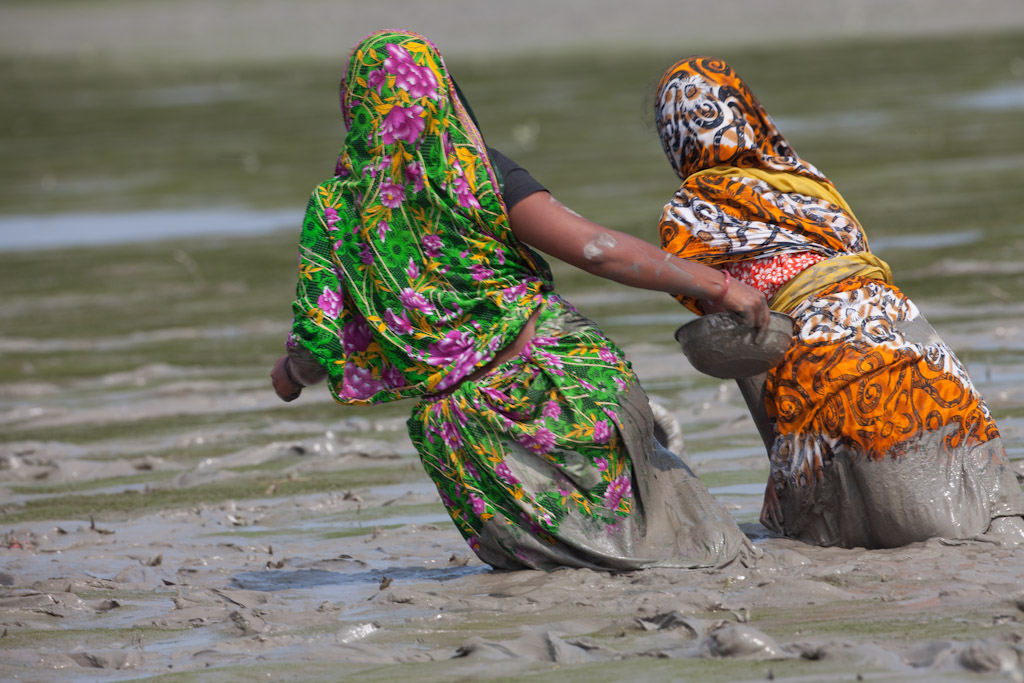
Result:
{"points": [[416, 281]]}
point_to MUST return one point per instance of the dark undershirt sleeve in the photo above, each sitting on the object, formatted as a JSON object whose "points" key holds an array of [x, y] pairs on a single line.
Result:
{"points": [[519, 184]]}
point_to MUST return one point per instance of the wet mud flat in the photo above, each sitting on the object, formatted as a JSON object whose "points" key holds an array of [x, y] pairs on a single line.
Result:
{"points": [[321, 548], [373, 581]]}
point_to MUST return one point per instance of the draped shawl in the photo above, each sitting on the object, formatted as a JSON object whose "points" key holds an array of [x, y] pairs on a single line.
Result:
{"points": [[409, 275], [745, 192]]}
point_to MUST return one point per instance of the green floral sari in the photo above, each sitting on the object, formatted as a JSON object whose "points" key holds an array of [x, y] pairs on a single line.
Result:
{"points": [[410, 279]]}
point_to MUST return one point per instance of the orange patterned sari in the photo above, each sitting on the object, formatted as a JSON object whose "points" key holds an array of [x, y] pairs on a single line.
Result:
{"points": [[867, 380]]}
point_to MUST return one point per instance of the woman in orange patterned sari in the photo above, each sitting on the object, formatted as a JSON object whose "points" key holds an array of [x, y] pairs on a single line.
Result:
{"points": [[880, 438]]}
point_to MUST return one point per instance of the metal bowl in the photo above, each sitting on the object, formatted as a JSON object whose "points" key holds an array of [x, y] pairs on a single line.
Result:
{"points": [[723, 346]]}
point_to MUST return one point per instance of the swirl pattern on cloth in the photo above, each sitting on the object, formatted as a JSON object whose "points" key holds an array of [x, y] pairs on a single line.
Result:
{"points": [[866, 380]]}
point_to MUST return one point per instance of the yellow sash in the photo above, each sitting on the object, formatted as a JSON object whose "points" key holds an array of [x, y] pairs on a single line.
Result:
{"points": [[821, 274], [828, 272], [783, 181]]}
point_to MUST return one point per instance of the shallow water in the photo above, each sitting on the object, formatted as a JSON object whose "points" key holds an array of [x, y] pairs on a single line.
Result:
{"points": [[26, 231]]}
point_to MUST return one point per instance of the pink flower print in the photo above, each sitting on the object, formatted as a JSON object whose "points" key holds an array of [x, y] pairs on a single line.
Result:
{"points": [[412, 271], [393, 377], [412, 299], [452, 345], [463, 193], [402, 124], [607, 355], [365, 255], [375, 80], [341, 168], [602, 464], [495, 395], [397, 323], [552, 410], [517, 292], [474, 543], [414, 175], [457, 351], [391, 195], [382, 230], [418, 81], [370, 169], [331, 214], [612, 414], [329, 302], [478, 504], [602, 431], [358, 383], [617, 490], [505, 474], [432, 246], [459, 415], [553, 361], [620, 383], [356, 335], [451, 436], [480, 272], [540, 442]]}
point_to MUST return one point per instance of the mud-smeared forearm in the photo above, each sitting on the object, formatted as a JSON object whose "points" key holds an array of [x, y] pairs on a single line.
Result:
{"points": [[631, 261], [543, 222]]}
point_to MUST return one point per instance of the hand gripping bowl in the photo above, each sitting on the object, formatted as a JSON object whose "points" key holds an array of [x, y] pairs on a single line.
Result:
{"points": [[723, 346]]}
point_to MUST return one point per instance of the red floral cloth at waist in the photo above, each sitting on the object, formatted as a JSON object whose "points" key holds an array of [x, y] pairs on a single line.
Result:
{"points": [[769, 273]]}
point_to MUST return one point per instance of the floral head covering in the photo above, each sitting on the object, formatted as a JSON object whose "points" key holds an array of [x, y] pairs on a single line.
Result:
{"points": [[409, 275], [738, 199]]}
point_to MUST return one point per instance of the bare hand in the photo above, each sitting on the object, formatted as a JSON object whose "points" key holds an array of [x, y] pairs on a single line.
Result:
{"points": [[284, 387], [748, 303]]}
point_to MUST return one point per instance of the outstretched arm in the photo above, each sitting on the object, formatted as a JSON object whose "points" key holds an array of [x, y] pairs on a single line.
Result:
{"points": [[544, 223]]}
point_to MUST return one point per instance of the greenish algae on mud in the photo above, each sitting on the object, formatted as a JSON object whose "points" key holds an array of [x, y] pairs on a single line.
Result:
{"points": [[59, 639], [92, 484], [388, 510], [124, 505], [357, 531], [641, 670], [890, 623], [165, 425], [369, 516]]}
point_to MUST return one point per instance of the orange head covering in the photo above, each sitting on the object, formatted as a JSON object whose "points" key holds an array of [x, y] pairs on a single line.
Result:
{"points": [[741, 195], [708, 117]]}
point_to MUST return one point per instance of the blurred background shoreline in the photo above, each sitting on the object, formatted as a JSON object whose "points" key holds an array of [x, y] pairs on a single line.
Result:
{"points": [[155, 32]]}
